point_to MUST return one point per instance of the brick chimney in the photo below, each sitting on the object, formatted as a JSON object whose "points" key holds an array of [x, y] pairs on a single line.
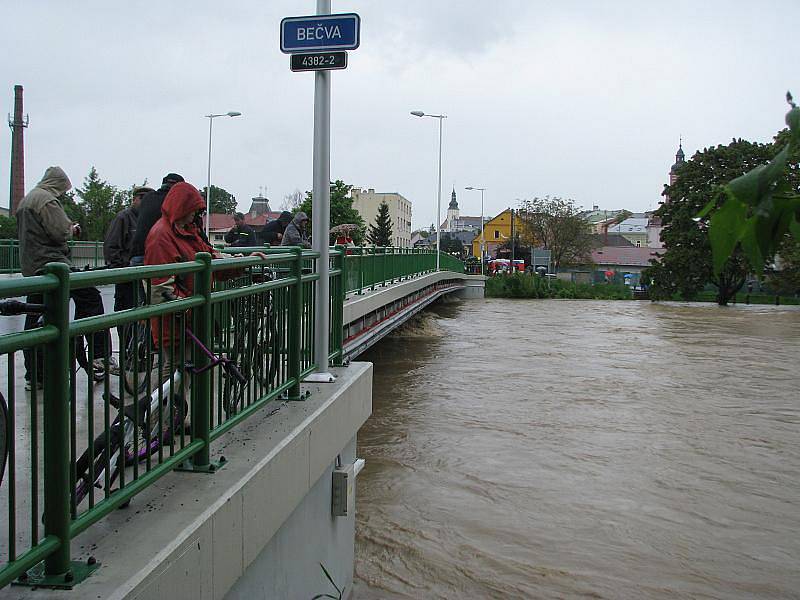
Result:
{"points": [[18, 125]]}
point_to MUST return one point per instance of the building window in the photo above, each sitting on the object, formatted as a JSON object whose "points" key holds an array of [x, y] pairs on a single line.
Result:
{"points": [[496, 234]]}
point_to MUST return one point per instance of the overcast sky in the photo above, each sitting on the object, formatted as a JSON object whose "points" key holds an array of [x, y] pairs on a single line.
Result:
{"points": [[577, 99]]}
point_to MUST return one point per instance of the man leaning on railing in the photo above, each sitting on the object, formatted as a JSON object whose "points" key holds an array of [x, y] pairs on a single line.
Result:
{"points": [[44, 229]]}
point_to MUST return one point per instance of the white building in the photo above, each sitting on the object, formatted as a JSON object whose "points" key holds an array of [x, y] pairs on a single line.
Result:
{"points": [[367, 201]]}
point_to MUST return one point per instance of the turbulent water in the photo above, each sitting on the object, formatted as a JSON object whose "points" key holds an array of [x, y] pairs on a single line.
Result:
{"points": [[560, 449]]}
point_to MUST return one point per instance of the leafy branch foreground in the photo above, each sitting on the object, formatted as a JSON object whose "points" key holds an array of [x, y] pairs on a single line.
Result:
{"points": [[522, 285], [760, 207]]}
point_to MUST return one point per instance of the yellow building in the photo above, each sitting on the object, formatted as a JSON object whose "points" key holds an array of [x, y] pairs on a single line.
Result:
{"points": [[497, 232]]}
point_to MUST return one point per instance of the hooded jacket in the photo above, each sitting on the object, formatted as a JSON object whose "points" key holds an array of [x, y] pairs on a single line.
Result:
{"points": [[43, 227], [149, 214], [269, 234], [168, 243], [294, 236]]}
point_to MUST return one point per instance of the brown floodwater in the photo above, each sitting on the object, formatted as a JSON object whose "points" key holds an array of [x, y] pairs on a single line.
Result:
{"points": [[560, 449]]}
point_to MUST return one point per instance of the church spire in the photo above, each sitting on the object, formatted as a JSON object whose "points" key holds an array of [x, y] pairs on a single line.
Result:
{"points": [[680, 157], [453, 202]]}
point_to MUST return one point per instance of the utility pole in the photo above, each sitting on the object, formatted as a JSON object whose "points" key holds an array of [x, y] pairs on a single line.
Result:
{"points": [[321, 213], [17, 124], [513, 268]]}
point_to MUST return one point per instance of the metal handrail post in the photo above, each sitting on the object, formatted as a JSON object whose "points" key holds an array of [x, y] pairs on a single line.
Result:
{"points": [[201, 390], [57, 422], [295, 318], [338, 321]]}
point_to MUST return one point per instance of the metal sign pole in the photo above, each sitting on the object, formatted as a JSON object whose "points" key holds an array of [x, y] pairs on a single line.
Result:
{"points": [[321, 210]]}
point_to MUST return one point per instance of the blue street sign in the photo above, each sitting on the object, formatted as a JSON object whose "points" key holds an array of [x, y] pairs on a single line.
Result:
{"points": [[321, 32]]}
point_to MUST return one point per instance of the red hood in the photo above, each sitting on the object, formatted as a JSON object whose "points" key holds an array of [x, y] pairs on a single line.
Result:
{"points": [[182, 199]]}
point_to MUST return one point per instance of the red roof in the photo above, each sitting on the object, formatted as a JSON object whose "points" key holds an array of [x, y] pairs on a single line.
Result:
{"points": [[222, 221], [624, 256]]}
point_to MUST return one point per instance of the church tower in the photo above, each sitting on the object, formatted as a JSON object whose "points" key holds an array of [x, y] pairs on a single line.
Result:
{"points": [[452, 212], [680, 160]]}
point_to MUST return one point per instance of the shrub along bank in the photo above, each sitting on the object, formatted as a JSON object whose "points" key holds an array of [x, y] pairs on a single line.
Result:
{"points": [[522, 285]]}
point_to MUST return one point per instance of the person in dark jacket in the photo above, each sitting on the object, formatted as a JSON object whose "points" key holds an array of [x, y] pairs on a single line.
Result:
{"points": [[149, 213], [43, 229], [241, 234], [295, 234], [272, 233], [118, 245]]}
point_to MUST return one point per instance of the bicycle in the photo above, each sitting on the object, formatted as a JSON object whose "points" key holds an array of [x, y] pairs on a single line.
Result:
{"points": [[255, 348], [3, 437], [139, 356], [117, 447], [80, 344]]}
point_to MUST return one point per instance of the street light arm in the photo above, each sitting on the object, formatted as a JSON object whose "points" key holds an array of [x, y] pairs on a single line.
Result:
{"points": [[419, 113], [232, 113]]}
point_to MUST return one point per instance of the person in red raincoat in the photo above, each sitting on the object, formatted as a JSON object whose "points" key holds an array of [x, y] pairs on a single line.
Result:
{"points": [[176, 238]]}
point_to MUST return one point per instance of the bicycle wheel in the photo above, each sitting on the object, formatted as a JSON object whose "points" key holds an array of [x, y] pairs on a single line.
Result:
{"points": [[139, 356], [114, 439], [234, 390], [4, 435], [82, 357]]}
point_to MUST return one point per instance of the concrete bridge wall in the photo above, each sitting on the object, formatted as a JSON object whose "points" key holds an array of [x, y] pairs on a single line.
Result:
{"points": [[369, 317], [256, 529]]}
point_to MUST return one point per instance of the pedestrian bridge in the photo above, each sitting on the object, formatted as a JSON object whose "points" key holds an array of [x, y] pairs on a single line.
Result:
{"points": [[260, 526]]}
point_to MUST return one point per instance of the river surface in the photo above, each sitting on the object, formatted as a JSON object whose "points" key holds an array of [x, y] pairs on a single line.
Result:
{"points": [[568, 449]]}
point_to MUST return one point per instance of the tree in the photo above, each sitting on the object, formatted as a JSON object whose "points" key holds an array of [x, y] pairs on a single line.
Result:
{"points": [[99, 203], [520, 250], [451, 245], [556, 225], [342, 211], [785, 279], [380, 234], [686, 265], [292, 202], [8, 228], [222, 201], [756, 212]]}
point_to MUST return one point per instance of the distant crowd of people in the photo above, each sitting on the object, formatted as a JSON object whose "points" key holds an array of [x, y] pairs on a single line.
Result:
{"points": [[286, 230]]}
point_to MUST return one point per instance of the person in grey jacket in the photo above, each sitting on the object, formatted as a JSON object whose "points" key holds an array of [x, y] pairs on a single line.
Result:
{"points": [[43, 229], [295, 233]]}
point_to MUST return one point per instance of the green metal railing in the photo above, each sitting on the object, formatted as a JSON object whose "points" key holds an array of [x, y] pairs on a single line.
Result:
{"points": [[258, 312], [369, 267], [83, 254]]}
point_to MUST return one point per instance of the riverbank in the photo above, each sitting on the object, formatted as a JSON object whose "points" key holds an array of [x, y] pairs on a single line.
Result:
{"points": [[522, 285]]}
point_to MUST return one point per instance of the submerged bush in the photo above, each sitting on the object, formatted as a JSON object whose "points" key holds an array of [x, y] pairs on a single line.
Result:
{"points": [[523, 285]]}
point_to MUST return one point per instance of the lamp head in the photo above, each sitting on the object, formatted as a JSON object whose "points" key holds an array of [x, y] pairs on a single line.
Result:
{"points": [[233, 113], [417, 113]]}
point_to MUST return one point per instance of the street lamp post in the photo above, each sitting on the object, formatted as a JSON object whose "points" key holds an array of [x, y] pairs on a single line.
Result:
{"points": [[483, 239], [211, 118], [419, 113]]}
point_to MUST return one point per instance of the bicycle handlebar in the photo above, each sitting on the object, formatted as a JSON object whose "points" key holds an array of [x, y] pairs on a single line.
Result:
{"points": [[15, 307]]}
